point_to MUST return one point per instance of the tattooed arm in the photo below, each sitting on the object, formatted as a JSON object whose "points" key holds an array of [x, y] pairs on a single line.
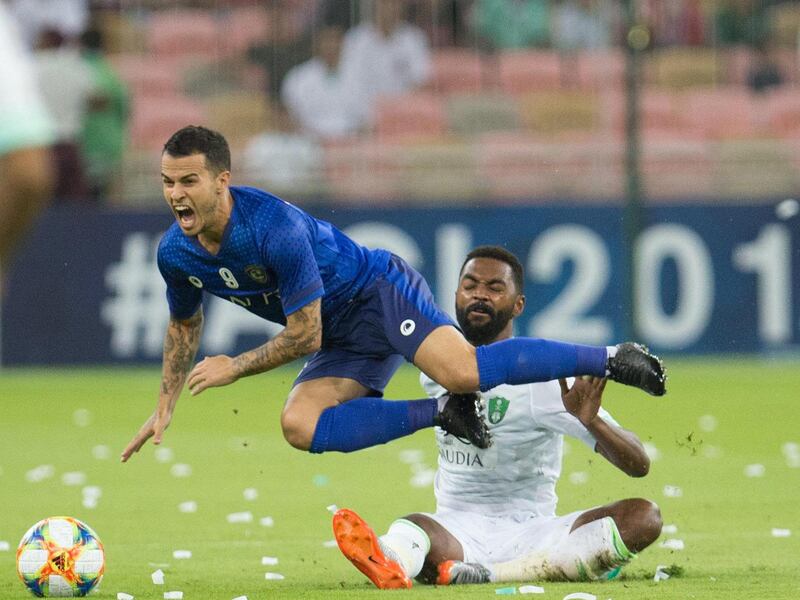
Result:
{"points": [[180, 346], [302, 335]]}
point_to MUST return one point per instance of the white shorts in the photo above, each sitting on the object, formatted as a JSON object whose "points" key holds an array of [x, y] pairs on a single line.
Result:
{"points": [[488, 539]]}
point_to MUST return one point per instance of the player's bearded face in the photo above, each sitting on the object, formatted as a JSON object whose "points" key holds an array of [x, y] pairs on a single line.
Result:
{"points": [[481, 322], [191, 191]]}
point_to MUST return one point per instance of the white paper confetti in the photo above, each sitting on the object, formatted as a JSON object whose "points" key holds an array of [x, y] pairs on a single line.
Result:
{"points": [[791, 452], [101, 452], [269, 560], [707, 423], [712, 452], [164, 454], [181, 554], [320, 480], [4, 546], [786, 209], [531, 589], [578, 477], [672, 491], [89, 502], [266, 521], [755, 470], [423, 478], [157, 577], [124, 596], [411, 456], [190, 506], [331, 508], [669, 529], [330, 544], [180, 470], [40, 473], [73, 478], [92, 491], [173, 595], [240, 517], [275, 576], [82, 417], [660, 574], [240, 598], [781, 532], [580, 596], [672, 544], [250, 494]]}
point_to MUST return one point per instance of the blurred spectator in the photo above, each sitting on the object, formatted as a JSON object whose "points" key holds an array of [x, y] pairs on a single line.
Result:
{"points": [[582, 24], [765, 71], [105, 124], [507, 24], [66, 84], [386, 55], [25, 134], [741, 22], [68, 17], [323, 101]]}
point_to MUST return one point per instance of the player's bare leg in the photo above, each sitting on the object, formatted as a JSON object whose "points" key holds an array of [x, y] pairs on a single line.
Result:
{"points": [[444, 547], [449, 359], [638, 521], [306, 402]]}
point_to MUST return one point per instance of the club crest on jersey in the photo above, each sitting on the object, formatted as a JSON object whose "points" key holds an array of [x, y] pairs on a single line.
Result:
{"points": [[257, 273], [497, 409]]}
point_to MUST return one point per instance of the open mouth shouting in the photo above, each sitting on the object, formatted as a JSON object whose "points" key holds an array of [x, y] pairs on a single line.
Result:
{"points": [[185, 215]]}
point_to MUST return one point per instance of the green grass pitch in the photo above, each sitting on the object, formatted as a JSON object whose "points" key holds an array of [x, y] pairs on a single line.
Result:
{"points": [[231, 439]]}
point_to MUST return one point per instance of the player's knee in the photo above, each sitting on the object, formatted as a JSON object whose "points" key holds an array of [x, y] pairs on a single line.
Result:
{"points": [[296, 429], [649, 521]]}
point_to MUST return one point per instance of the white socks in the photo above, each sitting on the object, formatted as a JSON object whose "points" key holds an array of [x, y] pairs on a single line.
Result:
{"points": [[611, 352], [592, 551], [408, 544]]}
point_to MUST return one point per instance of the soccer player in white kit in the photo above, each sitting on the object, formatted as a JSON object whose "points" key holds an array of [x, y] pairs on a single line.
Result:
{"points": [[495, 518]]}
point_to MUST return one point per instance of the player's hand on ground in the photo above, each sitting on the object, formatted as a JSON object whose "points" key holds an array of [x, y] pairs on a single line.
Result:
{"points": [[212, 371], [584, 397], [154, 428]]}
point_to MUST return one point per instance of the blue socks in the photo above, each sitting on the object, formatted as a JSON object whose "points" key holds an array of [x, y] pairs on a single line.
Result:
{"points": [[528, 360], [365, 422]]}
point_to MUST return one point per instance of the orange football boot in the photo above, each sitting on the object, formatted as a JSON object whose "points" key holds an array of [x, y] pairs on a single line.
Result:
{"points": [[360, 545]]}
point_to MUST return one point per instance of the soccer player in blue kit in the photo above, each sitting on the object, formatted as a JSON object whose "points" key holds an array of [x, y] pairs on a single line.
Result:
{"points": [[358, 312]]}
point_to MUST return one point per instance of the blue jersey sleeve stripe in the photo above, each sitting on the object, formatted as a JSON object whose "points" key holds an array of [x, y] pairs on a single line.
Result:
{"points": [[300, 299]]}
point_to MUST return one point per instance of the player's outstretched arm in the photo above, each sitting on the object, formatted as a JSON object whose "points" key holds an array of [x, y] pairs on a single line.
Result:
{"points": [[620, 447], [301, 336], [180, 347]]}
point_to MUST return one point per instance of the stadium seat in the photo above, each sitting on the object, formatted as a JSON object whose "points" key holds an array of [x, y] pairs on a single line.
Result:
{"points": [[147, 77], [460, 70], [361, 170], [470, 114], [530, 70], [681, 68], [555, 112], [750, 169], [246, 26], [601, 69], [437, 171], [238, 113], [726, 112], [185, 33], [782, 110], [411, 115], [153, 120]]}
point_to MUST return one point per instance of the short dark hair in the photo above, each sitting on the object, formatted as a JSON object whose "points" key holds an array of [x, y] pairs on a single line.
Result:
{"points": [[503, 255], [195, 139]]}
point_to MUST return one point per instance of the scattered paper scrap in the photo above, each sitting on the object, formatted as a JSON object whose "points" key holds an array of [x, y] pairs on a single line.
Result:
{"points": [[411, 456], [423, 478], [660, 575], [73, 478], [672, 491], [580, 596], [320, 480], [330, 543], [82, 417], [240, 598], [755, 470], [190, 506], [505, 591], [173, 595], [269, 560], [275, 576], [531, 589], [712, 452], [92, 491], [786, 209], [781, 532], [250, 494], [180, 470], [240, 517], [578, 477], [707, 423], [331, 508], [791, 452], [124, 596], [157, 577], [181, 554], [164, 454], [669, 529], [5, 547], [266, 521], [40, 473], [101, 452], [89, 502], [672, 544]]}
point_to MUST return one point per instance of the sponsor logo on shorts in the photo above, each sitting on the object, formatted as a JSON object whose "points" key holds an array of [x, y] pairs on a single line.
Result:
{"points": [[407, 327]]}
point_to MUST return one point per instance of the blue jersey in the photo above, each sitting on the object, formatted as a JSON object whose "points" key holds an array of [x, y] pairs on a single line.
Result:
{"points": [[273, 260]]}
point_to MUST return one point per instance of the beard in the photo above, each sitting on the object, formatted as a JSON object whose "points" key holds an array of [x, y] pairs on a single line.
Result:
{"points": [[483, 333]]}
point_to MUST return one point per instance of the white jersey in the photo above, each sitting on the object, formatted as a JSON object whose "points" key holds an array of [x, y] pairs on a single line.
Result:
{"points": [[518, 473]]}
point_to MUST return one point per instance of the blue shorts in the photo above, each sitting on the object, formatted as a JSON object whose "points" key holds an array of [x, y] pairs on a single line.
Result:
{"points": [[385, 323]]}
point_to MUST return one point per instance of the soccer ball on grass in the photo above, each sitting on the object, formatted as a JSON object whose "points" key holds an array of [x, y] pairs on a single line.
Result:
{"points": [[60, 557]]}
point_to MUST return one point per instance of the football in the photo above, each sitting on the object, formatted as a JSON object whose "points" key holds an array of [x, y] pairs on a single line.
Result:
{"points": [[60, 557]]}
